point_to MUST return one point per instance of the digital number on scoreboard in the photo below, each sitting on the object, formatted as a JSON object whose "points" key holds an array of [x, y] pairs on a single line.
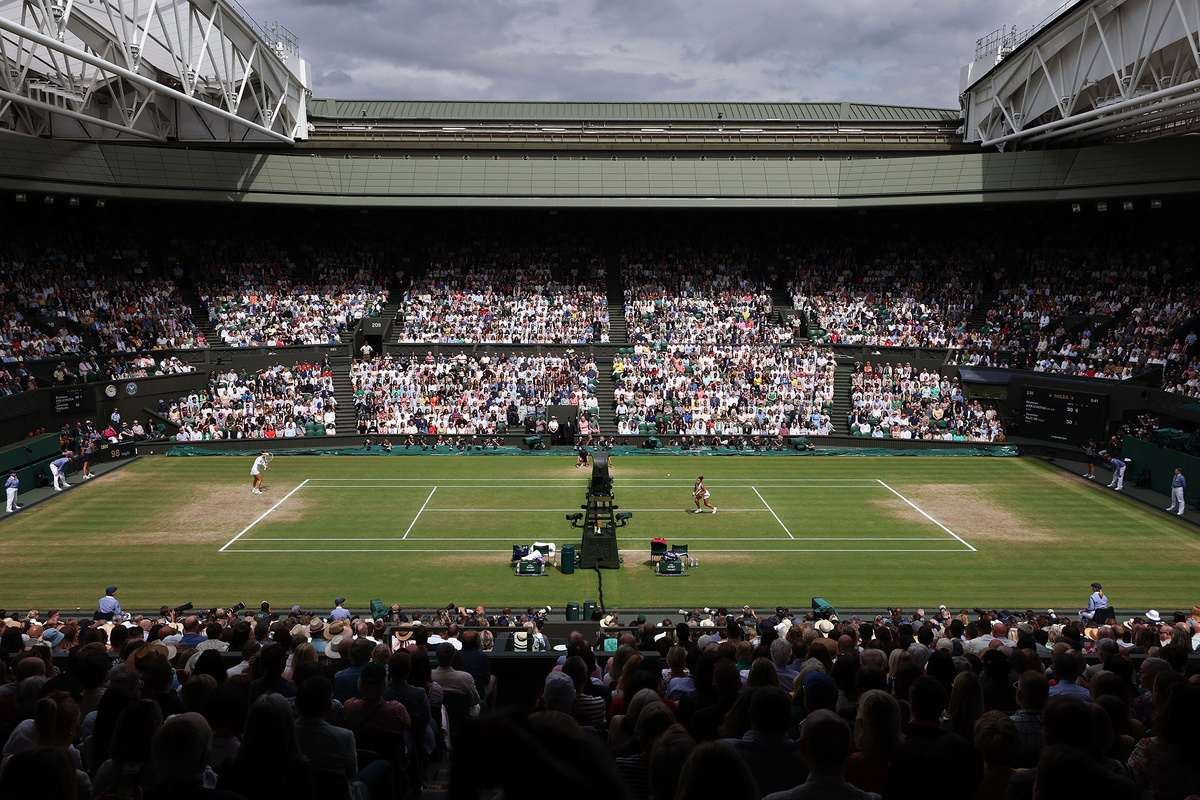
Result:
{"points": [[1063, 415]]}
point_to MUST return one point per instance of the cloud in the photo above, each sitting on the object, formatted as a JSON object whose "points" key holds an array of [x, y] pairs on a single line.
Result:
{"points": [[901, 52], [334, 77]]}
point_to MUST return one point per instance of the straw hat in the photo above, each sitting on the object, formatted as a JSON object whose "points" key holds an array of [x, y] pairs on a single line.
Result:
{"points": [[139, 658]]}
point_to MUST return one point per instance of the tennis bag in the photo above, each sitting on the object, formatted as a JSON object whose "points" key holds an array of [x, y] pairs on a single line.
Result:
{"points": [[519, 552], [822, 610]]}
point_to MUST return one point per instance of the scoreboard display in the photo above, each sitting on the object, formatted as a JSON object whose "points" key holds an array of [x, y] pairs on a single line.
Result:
{"points": [[1063, 415], [72, 399]]}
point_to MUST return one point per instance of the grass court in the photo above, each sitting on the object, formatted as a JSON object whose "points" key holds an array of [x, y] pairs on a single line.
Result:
{"points": [[430, 530]]}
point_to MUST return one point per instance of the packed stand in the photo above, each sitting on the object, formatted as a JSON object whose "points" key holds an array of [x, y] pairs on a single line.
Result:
{"points": [[121, 305], [701, 390], [267, 300], [1124, 309], [476, 395], [19, 339], [904, 298], [745, 706], [485, 293], [900, 402], [683, 296], [276, 402], [15, 379], [90, 368]]}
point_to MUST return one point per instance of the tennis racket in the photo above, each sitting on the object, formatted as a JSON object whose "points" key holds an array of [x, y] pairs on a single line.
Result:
{"points": [[268, 458]]}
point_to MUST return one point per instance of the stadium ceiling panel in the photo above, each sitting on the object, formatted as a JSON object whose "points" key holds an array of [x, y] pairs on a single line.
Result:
{"points": [[158, 70], [1096, 70], [387, 124]]}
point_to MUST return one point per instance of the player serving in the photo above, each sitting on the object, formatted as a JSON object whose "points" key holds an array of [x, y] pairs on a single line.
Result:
{"points": [[263, 462], [700, 493]]}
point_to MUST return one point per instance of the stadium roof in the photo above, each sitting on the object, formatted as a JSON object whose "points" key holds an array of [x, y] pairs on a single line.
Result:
{"points": [[625, 112]]}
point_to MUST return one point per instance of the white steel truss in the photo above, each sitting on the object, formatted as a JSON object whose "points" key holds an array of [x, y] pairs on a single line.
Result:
{"points": [[161, 70], [1099, 70]]}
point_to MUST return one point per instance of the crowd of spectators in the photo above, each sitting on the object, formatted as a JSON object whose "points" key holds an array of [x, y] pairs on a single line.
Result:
{"points": [[90, 368], [123, 306], [900, 402], [15, 379], [690, 296], [20, 339], [265, 300], [84, 437], [452, 395], [483, 292], [909, 297], [1099, 313], [743, 706], [276, 402], [704, 390]]}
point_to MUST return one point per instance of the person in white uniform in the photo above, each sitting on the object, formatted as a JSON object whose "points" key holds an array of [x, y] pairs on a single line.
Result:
{"points": [[700, 493], [58, 469], [11, 486], [1118, 468], [1178, 485], [256, 471]]}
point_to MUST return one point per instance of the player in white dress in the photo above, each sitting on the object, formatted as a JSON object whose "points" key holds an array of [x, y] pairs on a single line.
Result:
{"points": [[256, 471], [700, 493]]}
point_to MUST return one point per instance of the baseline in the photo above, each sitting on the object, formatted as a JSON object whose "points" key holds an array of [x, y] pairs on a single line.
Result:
{"points": [[444, 551]]}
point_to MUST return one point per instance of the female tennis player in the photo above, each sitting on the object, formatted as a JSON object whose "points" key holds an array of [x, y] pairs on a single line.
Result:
{"points": [[261, 463], [700, 493]]}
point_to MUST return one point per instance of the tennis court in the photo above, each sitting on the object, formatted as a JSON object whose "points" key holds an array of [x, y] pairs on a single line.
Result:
{"points": [[758, 514], [428, 530]]}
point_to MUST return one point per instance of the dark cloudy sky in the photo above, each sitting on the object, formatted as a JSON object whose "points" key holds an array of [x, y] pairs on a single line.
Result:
{"points": [[878, 51]]}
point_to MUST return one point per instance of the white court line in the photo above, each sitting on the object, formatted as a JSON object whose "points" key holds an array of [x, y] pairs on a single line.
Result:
{"points": [[926, 516], [418, 516], [690, 539], [444, 550], [872, 485], [444, 481], [773, 514], [681, 509], [264, 514]]}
